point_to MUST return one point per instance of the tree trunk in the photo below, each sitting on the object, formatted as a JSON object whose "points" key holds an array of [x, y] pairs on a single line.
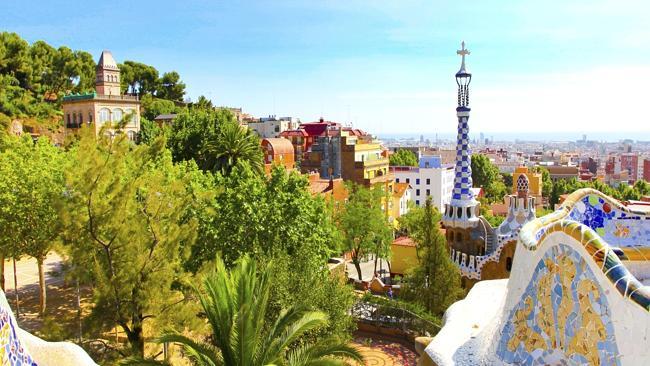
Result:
{"points": [[136, 339], [79, 312], [42, 304], [16, 291], [357, 266], [375, 264], [2, 271]]}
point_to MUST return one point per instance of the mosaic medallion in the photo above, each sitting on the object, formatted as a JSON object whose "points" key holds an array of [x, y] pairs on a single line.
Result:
{"points": [[562, 318]]}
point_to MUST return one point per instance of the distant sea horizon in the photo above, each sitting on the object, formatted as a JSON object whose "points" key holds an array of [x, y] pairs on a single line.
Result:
{"points": [[640, 136]]}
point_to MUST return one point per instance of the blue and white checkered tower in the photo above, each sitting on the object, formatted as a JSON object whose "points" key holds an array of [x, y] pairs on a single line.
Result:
{"points": [[463, 209]]}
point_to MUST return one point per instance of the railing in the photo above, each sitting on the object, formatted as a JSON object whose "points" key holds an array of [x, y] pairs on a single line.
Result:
{"points": [[73, 97], [117, 97], [393, 317]]}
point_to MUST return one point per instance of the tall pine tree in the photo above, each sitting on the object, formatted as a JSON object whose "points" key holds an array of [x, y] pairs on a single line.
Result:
{"points": [[435, 282]]}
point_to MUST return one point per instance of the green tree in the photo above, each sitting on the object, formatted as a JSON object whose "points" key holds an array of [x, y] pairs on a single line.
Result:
{"points": [[138, 78], [364, 225], [191, 131], [276, 219], [233, 146], [435, 282], [203, 103], [153, 107], [126, 224], [642, 187], [403, 157], [171, 87], [33, 175], [507, 179], [236, 304], [486, 175], [149, 131]]}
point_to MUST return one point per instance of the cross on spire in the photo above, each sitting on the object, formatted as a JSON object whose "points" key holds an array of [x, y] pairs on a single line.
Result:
{"points": [[463, 52]]}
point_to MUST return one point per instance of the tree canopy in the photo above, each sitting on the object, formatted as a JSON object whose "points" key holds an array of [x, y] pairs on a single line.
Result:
{"points": [[487, 176], [364, 225], [403, 157], [32, 186], [435, 282], [126, 224], [236, 304]]}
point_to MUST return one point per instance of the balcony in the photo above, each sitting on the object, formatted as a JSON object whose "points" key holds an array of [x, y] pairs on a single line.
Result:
{"points": [[378, 179], [93, 95], [371, 163]]}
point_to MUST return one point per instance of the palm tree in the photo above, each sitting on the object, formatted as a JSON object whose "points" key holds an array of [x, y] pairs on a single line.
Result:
{"points": [[233, 146], [236, 305]]}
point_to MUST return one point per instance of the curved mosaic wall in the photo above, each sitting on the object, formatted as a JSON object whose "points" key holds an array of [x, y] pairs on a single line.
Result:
{"points": [[12, 353], [616, 225], [561, 316]]}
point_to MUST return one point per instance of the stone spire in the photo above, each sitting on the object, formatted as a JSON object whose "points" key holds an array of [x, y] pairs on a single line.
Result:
{"points": [[463, 209], [107, 80]]}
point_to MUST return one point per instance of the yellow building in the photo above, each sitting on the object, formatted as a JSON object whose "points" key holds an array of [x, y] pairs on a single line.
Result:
{"points": [[363, 163], [104, 107], [403, 255], [398, 205]]}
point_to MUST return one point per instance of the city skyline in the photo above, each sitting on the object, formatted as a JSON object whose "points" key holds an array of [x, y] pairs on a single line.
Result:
{"points": [[386, 68]]}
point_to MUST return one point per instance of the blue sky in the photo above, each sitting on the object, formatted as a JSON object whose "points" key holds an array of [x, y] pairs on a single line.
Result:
{"points": [[385, 66]]}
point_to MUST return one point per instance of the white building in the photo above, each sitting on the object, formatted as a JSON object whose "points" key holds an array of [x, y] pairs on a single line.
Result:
{"points": [[430, 178], [272, 126]]}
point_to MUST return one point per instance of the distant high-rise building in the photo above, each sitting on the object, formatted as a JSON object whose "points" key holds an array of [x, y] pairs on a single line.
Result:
{"points": [[646, 170]]}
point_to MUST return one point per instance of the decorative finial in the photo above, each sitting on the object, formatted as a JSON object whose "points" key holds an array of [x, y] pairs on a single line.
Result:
{"points": [[462, 52]]}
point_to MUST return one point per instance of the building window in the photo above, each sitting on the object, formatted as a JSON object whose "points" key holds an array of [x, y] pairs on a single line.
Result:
{"points": [[90, 117], [417, 202], [428, 181], [67, 116], [417, 181], [117, 115], [104, 115], [74, 119], [131, 135], [396, 180], [133, 118], [81, 118], [417, 192], [428, 192], [408, 180]]}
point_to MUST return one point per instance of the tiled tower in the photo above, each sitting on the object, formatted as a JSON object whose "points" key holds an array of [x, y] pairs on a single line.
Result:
{"points": [[462, 212]]}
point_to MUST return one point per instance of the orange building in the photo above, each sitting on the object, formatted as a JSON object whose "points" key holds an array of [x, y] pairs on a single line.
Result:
{"points": [[331, 189], [278, 151]]}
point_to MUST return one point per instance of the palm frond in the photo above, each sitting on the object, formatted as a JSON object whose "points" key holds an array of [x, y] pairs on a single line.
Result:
{"points": [[331, 352], [201, 354]]}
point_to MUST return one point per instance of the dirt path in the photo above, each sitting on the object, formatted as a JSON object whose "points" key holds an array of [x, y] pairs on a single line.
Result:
{"points": [[61, 312]]}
